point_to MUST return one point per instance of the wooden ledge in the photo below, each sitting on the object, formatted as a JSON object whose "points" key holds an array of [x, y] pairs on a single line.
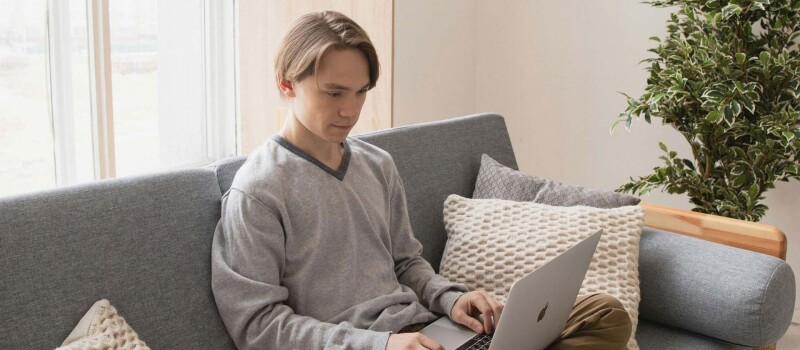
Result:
{"points": [[752, 236]]}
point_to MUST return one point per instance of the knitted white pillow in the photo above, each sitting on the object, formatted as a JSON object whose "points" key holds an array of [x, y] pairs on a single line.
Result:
{"points": [[101, 328], [492, 243]]}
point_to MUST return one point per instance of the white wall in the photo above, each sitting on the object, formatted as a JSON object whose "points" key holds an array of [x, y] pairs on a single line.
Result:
{"points": [[434, 60], [552, 68]]}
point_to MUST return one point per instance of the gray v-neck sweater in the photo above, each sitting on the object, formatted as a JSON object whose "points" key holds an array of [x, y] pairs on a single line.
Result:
{"points": [[308, 257]]}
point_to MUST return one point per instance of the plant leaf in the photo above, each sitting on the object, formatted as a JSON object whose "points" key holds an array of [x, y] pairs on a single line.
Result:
{"points": [[739, 180], [736, 108], [712, 93], [614, 125], [728, 113], [714, 116], [764, 58], [753, 192], [748, 104], [731, 10]]}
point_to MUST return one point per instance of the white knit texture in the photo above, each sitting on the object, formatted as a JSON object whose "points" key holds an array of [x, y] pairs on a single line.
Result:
{"points": [[492, 243], [107, 331]]}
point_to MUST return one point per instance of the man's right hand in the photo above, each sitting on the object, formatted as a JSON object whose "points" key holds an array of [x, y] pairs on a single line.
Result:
{"points": [[412, 341]]}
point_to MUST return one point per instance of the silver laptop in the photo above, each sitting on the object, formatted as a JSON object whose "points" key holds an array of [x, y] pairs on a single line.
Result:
{"points": [[537, 308]]}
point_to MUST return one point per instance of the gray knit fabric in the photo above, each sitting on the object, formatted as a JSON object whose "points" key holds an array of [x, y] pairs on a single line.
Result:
{"points": [[730, 294], [498, 181], [306, 257], [141, 242]]}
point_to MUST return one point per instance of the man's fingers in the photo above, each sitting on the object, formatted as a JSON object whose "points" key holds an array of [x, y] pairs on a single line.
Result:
{"points": [[485, 309], [467, 320], [429, 343], [496, 307], [478, 302], [498, 310]]}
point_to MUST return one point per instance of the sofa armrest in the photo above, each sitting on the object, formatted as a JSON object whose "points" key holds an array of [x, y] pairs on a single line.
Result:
{"points": [[736, 233], [731, 294]]}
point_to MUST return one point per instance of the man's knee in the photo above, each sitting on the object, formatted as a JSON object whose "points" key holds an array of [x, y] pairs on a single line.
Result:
{"points": [[614, 313], [604, 301], [598, 321]]}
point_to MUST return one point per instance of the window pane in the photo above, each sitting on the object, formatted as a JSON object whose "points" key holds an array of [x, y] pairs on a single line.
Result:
{"points": [[80, 90], [26, 138], [158, 84]]}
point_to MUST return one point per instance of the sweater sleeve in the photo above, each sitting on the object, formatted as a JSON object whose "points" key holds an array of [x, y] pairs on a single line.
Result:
{"points": [[436, 293], [247, 262]]}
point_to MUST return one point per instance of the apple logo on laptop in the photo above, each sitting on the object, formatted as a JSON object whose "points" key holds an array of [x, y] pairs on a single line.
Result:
{"points": [[541, 313]]}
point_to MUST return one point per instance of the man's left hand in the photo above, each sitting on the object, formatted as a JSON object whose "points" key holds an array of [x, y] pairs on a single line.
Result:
{"points": [[467, 308]]}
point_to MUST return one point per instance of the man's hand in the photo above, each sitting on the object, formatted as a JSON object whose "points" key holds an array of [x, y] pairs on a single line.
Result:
{"points": [[412, 341], [470, 305]]}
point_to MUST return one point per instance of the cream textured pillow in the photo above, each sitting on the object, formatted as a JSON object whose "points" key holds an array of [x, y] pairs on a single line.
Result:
{"points": [[101, 328], [492, 243]]}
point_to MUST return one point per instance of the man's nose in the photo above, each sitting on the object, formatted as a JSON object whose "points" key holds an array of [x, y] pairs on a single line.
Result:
{"points": [[349, 107]]}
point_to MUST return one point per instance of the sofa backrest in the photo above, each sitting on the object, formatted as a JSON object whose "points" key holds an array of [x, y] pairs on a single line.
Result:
{"points": [[143, 243], [435, 160]]}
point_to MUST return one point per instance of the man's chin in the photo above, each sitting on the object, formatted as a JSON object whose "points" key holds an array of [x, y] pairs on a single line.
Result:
{"points": [[337, 137]]}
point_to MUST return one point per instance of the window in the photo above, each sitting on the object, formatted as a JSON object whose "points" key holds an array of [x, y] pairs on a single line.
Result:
{"points": [[26, 142], [93, 89]]}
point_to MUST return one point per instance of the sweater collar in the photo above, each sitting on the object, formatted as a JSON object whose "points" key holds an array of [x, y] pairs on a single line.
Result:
{"points": [[339, 173]]}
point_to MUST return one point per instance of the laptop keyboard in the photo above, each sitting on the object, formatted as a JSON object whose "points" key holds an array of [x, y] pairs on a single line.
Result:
{"points": [[479, 342]]}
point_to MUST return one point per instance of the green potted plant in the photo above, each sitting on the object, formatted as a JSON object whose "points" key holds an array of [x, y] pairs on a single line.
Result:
{"points": [[727, 78]]}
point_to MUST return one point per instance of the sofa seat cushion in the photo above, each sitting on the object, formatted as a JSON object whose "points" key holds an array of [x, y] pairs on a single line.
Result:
{"points": [[654, 336]]}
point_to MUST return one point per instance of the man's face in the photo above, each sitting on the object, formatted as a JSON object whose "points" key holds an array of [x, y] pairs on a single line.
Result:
{"points": [[329, 104]]}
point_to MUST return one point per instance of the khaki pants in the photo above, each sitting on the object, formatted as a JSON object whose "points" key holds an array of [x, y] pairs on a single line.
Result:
{"points": [[597, 321]]}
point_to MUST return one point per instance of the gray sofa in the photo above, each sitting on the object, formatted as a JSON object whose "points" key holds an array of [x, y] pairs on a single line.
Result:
{"points": [[144, 243]]}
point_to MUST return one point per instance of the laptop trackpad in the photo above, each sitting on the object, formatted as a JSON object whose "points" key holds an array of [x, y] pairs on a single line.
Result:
{"points": [[448, 333]]}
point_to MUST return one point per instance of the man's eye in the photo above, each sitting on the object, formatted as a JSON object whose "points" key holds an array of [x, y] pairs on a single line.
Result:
{"points": [[361, 92], [334, 94]]}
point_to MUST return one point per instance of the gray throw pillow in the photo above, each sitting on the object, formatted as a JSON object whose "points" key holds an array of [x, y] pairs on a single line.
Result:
{"points": [[498, 181]]}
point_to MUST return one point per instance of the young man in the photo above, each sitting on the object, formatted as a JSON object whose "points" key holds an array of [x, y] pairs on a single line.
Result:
{"points": [[314, 249]]}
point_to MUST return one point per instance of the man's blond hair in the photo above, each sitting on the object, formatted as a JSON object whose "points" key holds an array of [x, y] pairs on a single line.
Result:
{"points": [[311, 35]]}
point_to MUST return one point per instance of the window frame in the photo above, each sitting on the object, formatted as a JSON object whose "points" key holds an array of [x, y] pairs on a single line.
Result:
{"points": [[101, 92], [59, 77]]}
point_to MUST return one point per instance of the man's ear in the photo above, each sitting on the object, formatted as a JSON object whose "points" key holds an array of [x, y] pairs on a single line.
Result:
{"points": [[287, 88]]}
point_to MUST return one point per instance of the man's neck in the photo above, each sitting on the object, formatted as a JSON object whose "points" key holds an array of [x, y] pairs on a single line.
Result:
{"points": [[296, 133]]}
